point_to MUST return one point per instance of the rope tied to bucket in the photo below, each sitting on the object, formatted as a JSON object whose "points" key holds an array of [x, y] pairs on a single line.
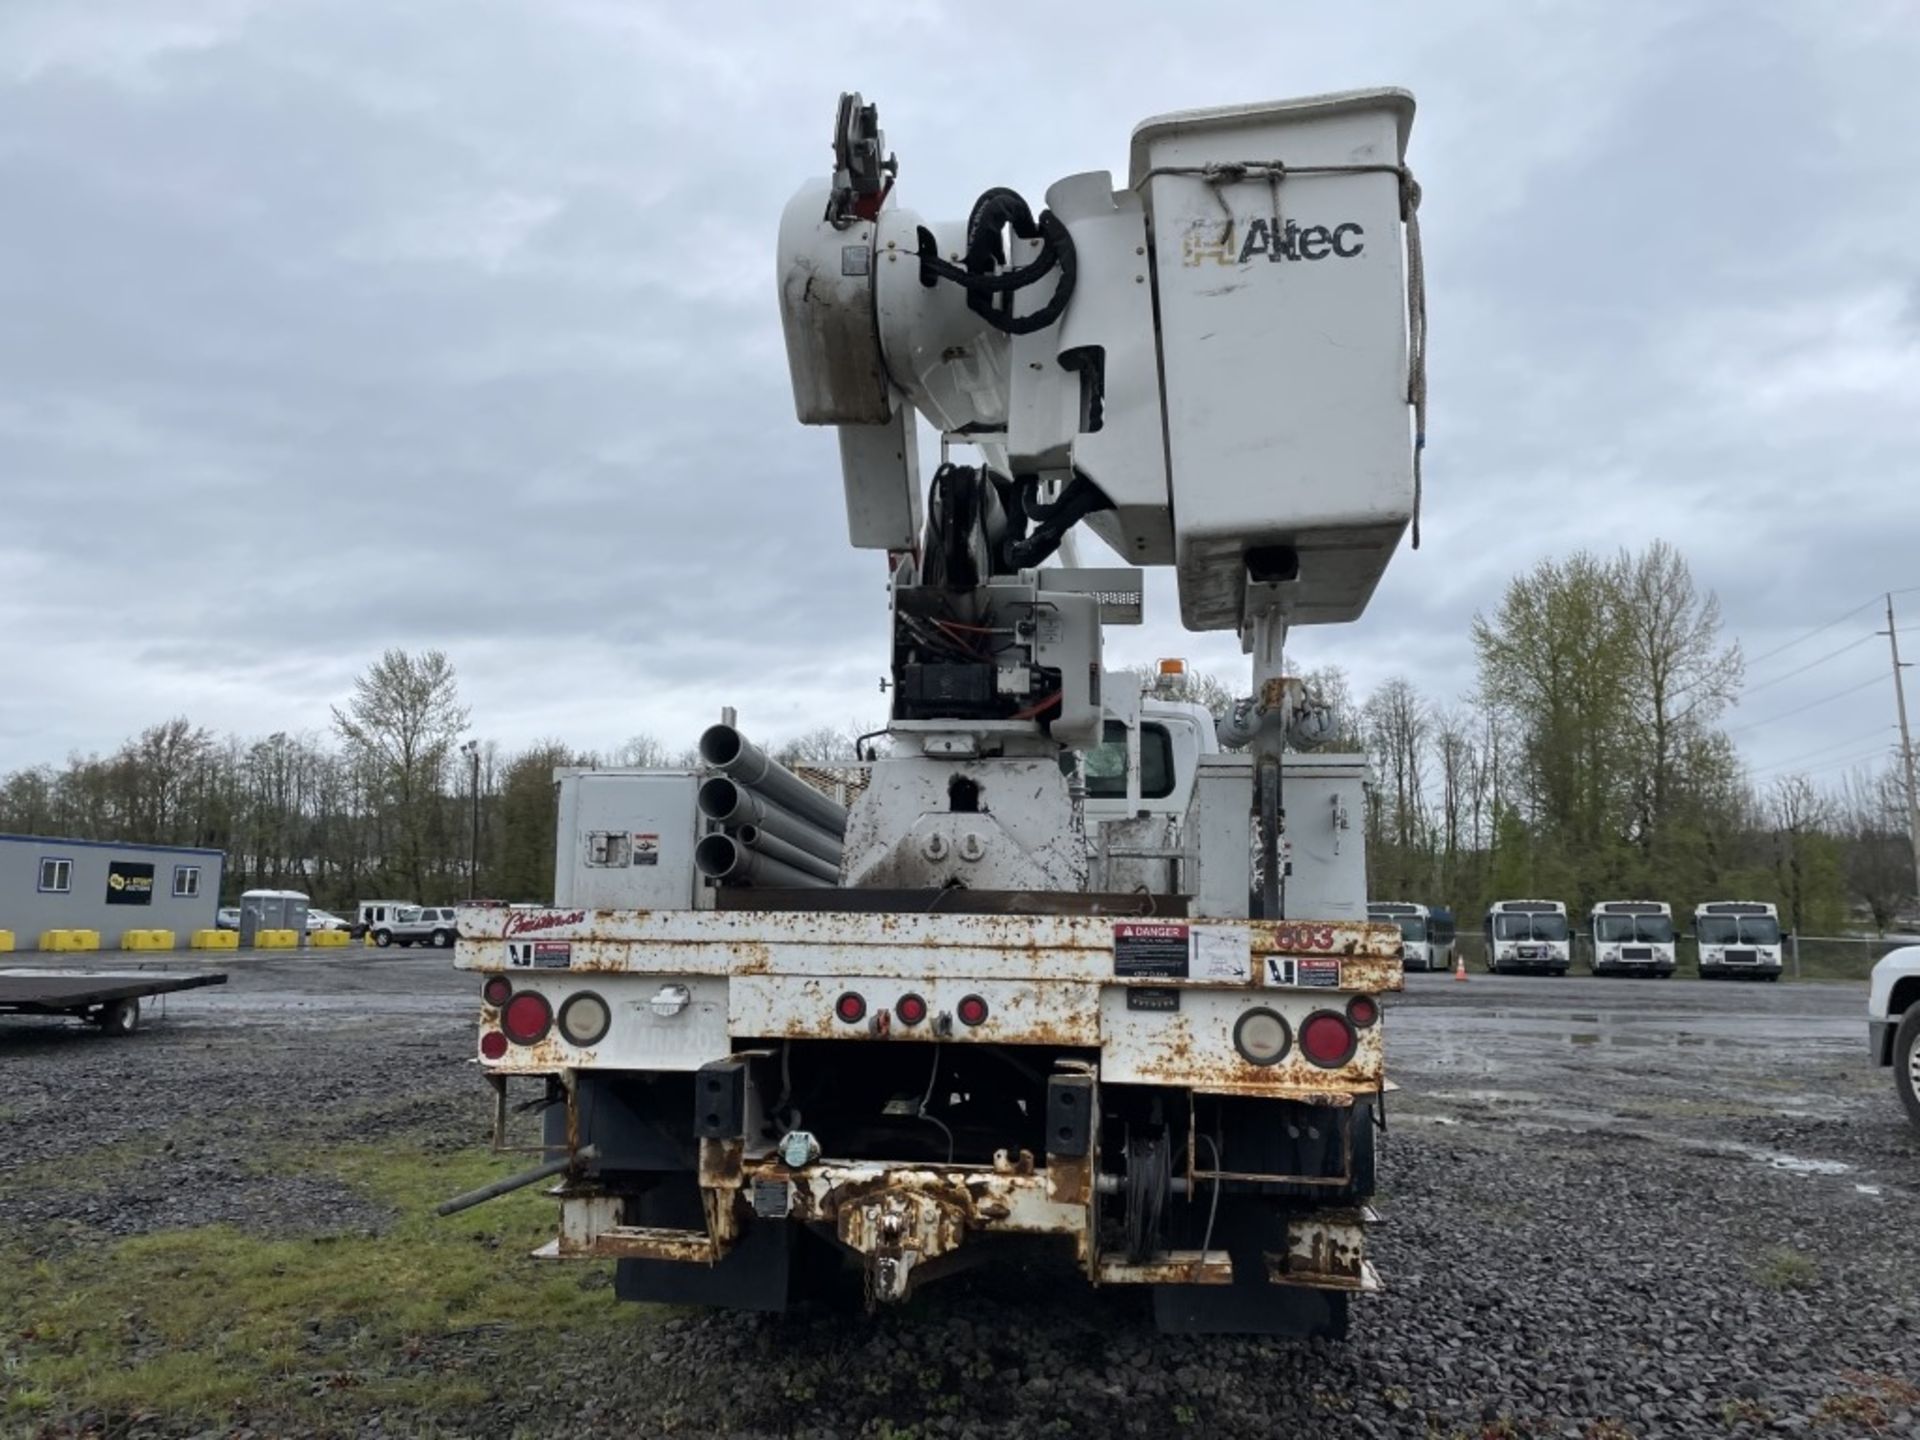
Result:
{"points": [[1218, 174]]}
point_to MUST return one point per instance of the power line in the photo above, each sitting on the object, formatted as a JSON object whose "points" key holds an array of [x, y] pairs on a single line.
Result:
{"points": [[1848, 760], [1830, 655], [1822, 629], [1789, 714], [1847, 744], [1817, 630]]}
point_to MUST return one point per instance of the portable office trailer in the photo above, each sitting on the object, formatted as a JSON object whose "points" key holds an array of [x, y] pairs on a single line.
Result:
{"points": [[48, 883]]}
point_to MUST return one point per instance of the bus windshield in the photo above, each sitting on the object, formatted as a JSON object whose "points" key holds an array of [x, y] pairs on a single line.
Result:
{"points": [[1511, 926], [1737, 930], [1412, 927], [1647, 929]]}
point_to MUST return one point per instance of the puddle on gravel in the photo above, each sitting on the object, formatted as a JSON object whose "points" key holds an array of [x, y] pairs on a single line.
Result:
{"points": [[1545, 1118]]}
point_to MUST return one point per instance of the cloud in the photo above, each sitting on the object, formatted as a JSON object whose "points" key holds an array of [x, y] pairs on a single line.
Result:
{"points": [[338, 326]]}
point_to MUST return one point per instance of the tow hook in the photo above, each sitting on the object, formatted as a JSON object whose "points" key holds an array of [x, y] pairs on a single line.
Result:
{"points": [[897, 1231]]}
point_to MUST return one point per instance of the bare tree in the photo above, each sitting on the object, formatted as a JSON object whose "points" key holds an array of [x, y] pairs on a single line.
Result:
{"points": [[403, 718], [1682, 677], [1871, 812]]}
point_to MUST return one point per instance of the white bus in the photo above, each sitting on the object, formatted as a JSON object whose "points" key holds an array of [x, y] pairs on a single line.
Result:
{"points": [[1737, 937], [1419, 949], [1631, 937], [1528, 935]]}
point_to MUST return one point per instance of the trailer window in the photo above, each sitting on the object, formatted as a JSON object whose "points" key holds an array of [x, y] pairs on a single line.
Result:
{"points": [[56, 876], [186, 881]]}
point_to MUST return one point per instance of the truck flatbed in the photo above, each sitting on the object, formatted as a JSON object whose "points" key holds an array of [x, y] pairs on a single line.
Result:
{"points": [[109, 999]]}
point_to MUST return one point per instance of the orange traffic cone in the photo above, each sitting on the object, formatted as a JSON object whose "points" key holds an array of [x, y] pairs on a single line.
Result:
{"points": [[1460, 965]]}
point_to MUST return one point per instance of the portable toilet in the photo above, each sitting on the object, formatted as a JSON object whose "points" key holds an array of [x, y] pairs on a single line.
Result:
{"points": [[272, 910]]}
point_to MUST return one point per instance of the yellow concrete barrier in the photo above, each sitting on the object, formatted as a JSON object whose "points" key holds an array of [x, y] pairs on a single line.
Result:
{"points": [[69, 939], [6, 941], [276, 939], [328, 939], [214, 940], [147, 940]]}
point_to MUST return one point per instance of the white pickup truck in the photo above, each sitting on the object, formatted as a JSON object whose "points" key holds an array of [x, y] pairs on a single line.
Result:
{"points": [[1893, 1023]]}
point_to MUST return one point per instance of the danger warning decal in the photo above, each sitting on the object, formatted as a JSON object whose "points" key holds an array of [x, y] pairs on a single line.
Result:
{"points": [[1142, 949]]}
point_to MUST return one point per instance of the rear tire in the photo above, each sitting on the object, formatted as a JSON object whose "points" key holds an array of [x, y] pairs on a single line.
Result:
{"points": [[121, 1017], [383, 938], [1906, 1063], [442, 939]]}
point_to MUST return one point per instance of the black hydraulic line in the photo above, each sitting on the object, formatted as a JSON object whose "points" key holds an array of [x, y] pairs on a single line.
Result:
{"points": [[981, 276], [1079, 499]]}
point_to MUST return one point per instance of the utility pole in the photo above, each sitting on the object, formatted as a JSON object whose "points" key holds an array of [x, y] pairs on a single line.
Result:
{"points": [[1906, 749]]}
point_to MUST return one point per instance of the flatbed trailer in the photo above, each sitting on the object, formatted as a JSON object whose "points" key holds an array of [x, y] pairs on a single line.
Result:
{"points": [[109, 1000]]}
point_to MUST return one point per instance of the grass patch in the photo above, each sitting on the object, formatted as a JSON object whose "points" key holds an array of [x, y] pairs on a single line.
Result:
{"points": [[1781, 1267], [210, 1322]]}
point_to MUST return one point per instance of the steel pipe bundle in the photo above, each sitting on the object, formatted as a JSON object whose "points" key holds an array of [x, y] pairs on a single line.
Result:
{"points": [[780, 831]]}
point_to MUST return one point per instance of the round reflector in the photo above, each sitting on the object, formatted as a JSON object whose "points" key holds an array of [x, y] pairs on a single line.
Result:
{"points": [[851, 1008], [1362, 1010], [497, 991], [527, 1018], [972, 1010], [585, 1019], [1327, 1039], [492, 1045], [1261, 1036], [910, 1009]]}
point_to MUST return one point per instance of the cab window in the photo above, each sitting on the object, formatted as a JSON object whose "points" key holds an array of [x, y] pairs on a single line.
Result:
{"points": [[1105, 764]]}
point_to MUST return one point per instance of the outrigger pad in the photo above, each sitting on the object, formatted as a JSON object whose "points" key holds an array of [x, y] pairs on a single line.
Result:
{"points": [[1250, 1309]]}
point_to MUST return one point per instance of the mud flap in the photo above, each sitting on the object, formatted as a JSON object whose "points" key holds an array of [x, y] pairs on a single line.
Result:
{"points": [[752, 1275], [1250, 1308]]}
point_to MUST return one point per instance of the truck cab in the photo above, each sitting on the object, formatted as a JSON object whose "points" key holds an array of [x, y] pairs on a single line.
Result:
{"points": [[1631, 937], [1738, 937]]}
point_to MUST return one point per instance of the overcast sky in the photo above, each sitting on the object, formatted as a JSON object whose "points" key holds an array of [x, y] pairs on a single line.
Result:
{"points": [[328, 327]]}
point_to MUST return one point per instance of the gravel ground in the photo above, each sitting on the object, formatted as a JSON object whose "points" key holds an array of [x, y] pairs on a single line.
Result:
{"points": [[1612, 1208]]}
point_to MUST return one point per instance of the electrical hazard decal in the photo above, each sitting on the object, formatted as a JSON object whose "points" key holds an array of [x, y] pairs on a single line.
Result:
{"points": [[646, 849], [540, 954], [1158, 950]]}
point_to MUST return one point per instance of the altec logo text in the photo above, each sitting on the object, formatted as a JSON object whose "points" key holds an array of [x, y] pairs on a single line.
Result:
{"points": [[1213, 242]]}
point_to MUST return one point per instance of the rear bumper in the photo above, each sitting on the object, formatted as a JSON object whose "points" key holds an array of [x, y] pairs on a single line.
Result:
{"points": [[906, 1221]]}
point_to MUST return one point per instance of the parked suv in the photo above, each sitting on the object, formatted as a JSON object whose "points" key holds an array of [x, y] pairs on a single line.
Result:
{"points": [[1893, 1023], [427, 925]]}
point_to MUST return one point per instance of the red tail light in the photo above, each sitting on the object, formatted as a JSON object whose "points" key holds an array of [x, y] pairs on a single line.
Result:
{"points": [[1363, 1010], [910, 1010], [1327, 1039], [972, 1010], [851, 1008], [527, 1018], [493, 1045], [497, 991]]}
